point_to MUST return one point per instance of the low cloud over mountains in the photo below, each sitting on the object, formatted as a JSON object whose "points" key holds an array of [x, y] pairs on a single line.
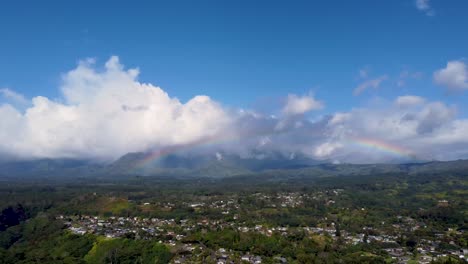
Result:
{"points": [[106, 113]]}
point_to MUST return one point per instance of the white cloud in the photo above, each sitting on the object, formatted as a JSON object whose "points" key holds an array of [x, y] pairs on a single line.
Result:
{"points": [[407, 75], [296, 105], [430, 130], [13, 96], [107, 114], [410, 127], [454, 76], [409, 100], [339, 118], [424, 6], [326, 149], [373, 83]]}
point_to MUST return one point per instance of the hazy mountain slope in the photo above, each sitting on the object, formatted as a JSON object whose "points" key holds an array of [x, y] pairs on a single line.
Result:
{"points": [[143, 164]]}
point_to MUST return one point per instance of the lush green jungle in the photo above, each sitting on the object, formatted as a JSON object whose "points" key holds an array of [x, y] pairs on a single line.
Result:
{"points": [[321, 214]]}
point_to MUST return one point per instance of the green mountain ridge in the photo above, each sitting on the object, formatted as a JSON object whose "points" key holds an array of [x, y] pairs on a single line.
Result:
{"points": [[136, 164]]}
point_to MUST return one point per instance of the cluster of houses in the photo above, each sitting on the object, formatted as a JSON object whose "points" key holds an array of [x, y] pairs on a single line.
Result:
{"points": [[112, 227], [231, 203], [295, 199], [223, 256], [172, 232]]}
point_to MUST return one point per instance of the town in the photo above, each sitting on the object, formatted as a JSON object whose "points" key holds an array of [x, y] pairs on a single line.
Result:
{"points": [[184, 236]]}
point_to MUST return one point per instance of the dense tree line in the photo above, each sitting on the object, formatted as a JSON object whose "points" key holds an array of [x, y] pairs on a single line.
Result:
{"points": [[29, 232]]}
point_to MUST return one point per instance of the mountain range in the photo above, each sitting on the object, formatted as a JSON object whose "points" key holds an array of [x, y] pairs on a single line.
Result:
{"points": [[212, 166]]}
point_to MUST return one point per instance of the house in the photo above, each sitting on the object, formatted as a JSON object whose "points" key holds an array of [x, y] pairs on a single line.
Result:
{"points": [[442, 203]]}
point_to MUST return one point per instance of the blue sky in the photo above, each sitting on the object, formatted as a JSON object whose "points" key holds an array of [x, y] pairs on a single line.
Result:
{"points": [[238, 52], [246, 54]]}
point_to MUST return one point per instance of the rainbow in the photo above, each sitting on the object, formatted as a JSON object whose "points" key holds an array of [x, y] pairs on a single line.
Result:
{"points": [[375, 144], [162, 152], [206, 141], [368, 143]]}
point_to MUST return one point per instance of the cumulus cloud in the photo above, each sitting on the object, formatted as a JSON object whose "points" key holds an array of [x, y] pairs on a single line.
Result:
{"points": [[454, 76], [424, 6], [426, 130], [296, 105], [409, 100], [105, 113], [327, 149], [13, 96], [294, 109], [410, 128], [372, 83]]}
